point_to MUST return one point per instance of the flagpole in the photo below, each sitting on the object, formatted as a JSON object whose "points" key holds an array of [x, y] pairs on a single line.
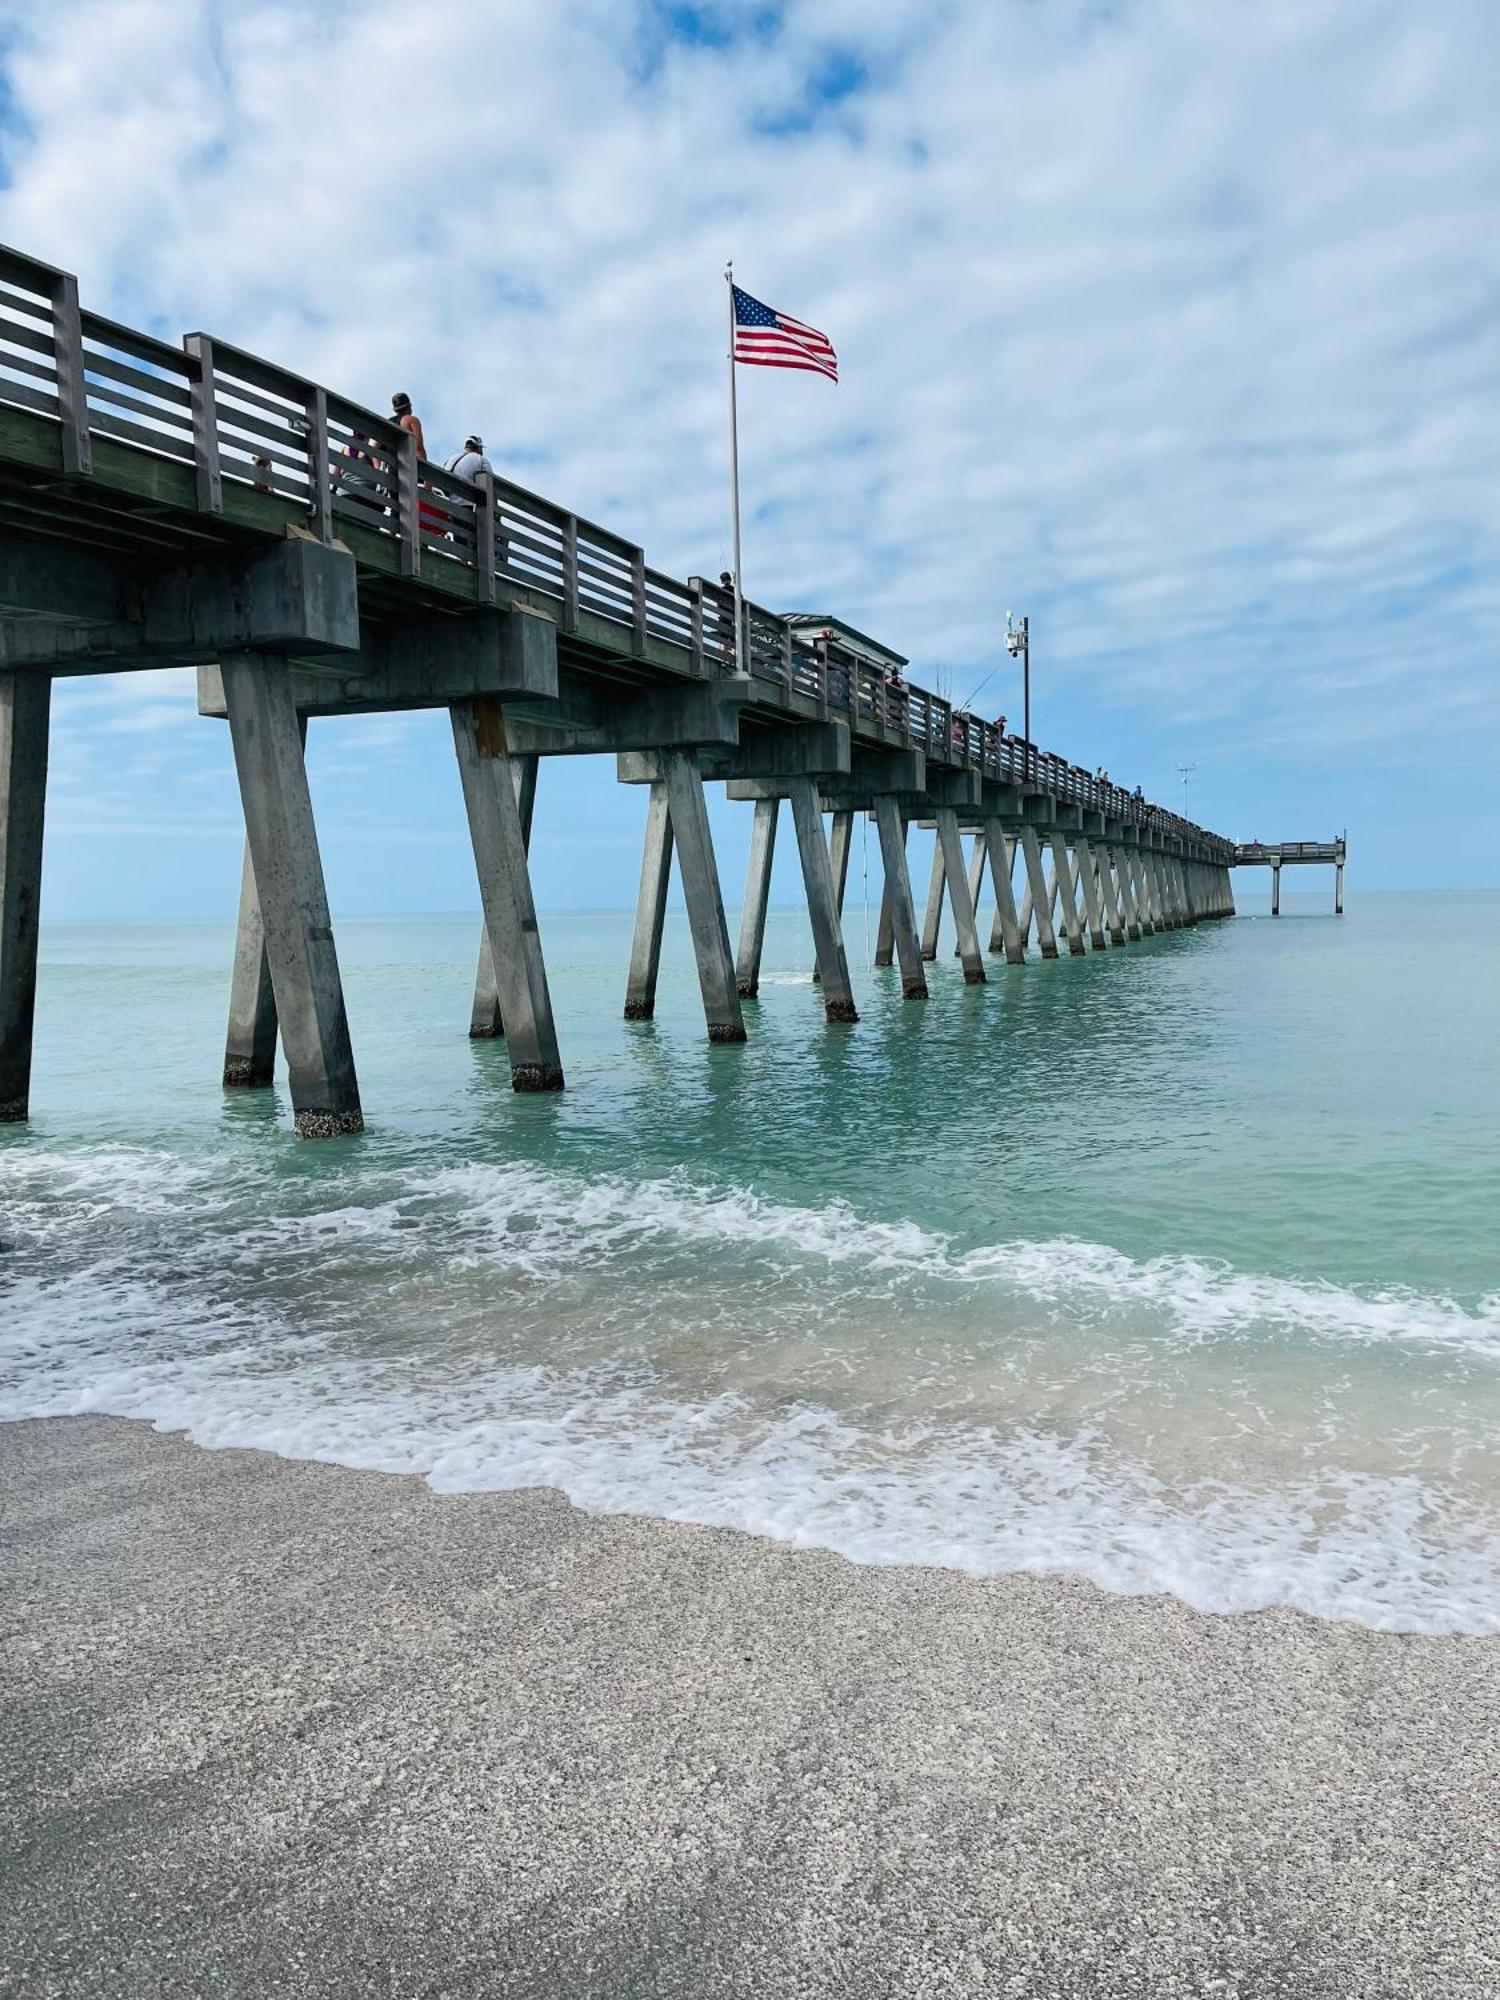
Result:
{"points": [[741, 650]]}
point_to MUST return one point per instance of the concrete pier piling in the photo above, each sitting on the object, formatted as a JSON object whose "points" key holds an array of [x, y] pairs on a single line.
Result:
{"points": [[821, 889], [1147, 895], [885, 933], [896, 905], [840, 841], [757, 897], [651, 907], [292, 897], [1068, 890], [250, 1039], [950, 849], [1114, 908], [1125, 888], [1084, 861], [25, 705], [703, 896], [1276, 889], [1007, 934], [486, 1020], [932, 920], [1038, 901], [510, 924], [1160, 901], [976, 884]]}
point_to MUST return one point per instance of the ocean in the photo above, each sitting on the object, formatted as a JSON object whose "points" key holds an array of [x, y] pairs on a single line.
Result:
{"points": [[1176, 1268]]}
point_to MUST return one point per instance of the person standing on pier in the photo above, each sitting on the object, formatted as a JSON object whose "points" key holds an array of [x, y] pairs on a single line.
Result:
{"points": [[470, 463], [406, 417]]}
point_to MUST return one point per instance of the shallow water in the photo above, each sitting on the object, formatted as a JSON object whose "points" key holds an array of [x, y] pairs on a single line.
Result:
{"points": [[1177, 1268]]}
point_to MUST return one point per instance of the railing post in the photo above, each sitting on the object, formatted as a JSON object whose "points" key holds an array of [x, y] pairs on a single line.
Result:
{"points": [[408, 508], [695, 621], [201, 408], [637, 603], [484, 540], [822, 657], [786, 650], [570, 572], [319, 471], [72, 391]]}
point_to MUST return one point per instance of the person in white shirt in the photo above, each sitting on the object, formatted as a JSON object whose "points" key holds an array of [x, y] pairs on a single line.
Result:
{"points": [[471, 461], [471, 464]]}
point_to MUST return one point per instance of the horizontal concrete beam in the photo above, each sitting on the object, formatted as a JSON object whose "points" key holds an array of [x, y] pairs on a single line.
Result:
{"points": [[785, 751], [68, 587], [509, 655], [299, 598], [591, 720]]}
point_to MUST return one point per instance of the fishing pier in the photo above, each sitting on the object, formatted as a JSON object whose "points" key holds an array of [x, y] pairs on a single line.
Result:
{"points": [[1280, 854], [198, 506]]}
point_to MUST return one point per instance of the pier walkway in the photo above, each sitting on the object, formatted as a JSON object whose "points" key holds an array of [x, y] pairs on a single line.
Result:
{"points": [[196, 505]]}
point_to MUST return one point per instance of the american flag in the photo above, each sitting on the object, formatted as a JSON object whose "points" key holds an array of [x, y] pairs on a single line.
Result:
{"points": [[775, 341]]}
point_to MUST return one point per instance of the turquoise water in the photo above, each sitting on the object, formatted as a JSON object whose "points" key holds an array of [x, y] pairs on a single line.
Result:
{"points": [[1177, 1268]]}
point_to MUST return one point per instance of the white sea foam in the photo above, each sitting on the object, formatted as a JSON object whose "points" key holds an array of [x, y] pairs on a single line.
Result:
{"points": [[136, 1289], [547, 1221], [1390, 1553], [569, 1218]]}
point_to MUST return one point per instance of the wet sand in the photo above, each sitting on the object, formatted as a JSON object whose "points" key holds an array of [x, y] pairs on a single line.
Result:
{"points": [[286, 1728]]}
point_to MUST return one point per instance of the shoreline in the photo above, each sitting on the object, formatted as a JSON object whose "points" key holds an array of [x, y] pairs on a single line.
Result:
{"points": [[284, 1725]]}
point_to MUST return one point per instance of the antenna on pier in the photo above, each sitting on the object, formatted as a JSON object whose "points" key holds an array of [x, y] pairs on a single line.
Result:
{"points": [[1185, 771]]}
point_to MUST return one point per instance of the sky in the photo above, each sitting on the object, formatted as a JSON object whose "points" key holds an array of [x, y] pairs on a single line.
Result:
{"points": [[1174, 324]]}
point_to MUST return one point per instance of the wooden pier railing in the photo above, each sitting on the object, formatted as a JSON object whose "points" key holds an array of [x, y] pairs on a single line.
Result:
{"points": [[241, 423]]}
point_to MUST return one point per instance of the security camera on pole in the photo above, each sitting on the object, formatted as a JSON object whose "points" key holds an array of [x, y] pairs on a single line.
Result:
{"points": [[1018, 645]]}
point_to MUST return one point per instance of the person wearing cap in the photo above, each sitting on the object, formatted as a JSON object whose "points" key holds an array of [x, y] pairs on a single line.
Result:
{"points": [[406, 417], [471, 464], [471, 461]]}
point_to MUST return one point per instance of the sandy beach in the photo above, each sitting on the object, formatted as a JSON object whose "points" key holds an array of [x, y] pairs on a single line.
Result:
{"points": [[283, 1727]]}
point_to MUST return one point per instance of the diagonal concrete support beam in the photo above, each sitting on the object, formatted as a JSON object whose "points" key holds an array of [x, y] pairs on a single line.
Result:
{"points": [[822, 901], [932, 922], [486, 1019], [976, 882], [250, 1040], [896, 909], [293, 899], [1125, 882], [25, 705], [688, 811], [650, 907], [1084, 856], [1068, 890], [951, 848], [1001, 853], [840, 842], [757, 897], [1038, 902], [484, 769], [1109, 893]]}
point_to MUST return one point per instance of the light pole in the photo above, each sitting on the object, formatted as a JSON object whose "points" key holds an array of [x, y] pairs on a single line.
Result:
{"points": [[1018, 645], [1185, 771]]}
